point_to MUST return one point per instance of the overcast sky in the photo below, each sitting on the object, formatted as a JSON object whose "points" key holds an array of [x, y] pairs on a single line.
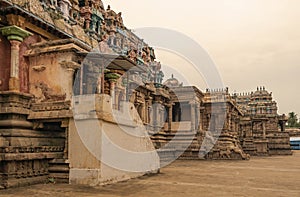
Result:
{"points": [[253, 42]]}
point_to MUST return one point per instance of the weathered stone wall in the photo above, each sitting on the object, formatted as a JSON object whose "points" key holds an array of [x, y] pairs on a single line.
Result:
{"points": [[25, 149], [25, 63]]}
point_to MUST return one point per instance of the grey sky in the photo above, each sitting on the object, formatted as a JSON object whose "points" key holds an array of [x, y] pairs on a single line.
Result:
{"points": [[253, 42]]}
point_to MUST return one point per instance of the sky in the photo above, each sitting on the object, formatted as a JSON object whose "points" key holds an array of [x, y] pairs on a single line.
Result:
{"points": [[252, 42]]}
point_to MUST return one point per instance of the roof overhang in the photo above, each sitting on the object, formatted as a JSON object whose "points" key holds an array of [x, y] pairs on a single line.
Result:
{"points": [[112, 61]]}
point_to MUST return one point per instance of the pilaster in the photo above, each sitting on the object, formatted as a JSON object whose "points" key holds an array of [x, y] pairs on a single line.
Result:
{"points": [[15, 35]]}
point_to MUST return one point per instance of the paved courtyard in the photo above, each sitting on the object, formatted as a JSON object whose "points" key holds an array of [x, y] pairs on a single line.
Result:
{"points": [[270, 176]]}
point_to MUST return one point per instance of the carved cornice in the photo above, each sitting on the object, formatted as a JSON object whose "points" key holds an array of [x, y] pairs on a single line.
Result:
{"points": [[69, 65]]}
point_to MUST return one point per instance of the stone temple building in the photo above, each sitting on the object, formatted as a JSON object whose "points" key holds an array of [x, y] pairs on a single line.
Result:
{"points": [[259, 125], [68, 64]]}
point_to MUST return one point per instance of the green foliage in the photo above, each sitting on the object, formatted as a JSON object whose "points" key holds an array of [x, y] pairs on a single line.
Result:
{"points": [[293, 120], [51, 180]]}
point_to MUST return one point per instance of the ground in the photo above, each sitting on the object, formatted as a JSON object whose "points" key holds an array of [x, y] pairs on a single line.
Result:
{"points": [[268, 176]]}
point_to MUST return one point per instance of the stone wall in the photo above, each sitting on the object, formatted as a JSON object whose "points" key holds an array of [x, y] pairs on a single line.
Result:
{"points": [[26, 147], [294, 132]]}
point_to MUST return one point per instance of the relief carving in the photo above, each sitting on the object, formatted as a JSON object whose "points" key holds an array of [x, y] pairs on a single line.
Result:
{"points": [[49, 94], [39, 68]]}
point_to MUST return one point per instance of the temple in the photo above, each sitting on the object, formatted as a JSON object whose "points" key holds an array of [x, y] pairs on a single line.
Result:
{"points": [[259, 125], [67, 64]]}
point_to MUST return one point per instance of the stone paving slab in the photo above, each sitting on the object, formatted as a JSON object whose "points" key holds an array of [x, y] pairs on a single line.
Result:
{"points": [[268, 176]]}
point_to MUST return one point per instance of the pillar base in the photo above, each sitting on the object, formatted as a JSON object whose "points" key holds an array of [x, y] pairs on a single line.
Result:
{"points": [[14, 84]]}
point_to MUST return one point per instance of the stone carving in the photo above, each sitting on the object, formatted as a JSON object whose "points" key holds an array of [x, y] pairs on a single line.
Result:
{"points": [[132, 54], [103, 45], [225, 153], [65, 6], [119, 20], [39, 68], [49, 94], [111, 16]]}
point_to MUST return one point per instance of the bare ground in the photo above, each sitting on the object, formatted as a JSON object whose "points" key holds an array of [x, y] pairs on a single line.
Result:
{"points": [[268, 176]]}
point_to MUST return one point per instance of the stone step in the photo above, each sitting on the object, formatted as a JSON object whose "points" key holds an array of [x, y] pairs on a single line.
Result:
{"points": [[59, 170]]}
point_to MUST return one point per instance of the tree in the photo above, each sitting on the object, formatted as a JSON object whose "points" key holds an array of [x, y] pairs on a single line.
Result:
{"points": [[293, 120]]}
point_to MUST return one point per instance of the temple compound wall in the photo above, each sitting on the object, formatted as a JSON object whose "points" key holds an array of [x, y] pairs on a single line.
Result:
{"points": [[79, 93]]}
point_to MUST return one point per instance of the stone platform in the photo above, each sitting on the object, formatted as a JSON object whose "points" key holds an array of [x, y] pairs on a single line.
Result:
{"points": [[260, 176]]}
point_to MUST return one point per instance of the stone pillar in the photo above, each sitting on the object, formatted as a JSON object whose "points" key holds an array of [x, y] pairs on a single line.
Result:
{"points": [[151, 116], [264, 129], [99, 84], [197, 117], [162, 115], [229, 122], [117, 98], [141, 111], [170, 116], [157, 115], [193, 118], [112, 92], [283, 127], [14, 81], [89, 83], [70, 68], [201, 118], [148, 108], [15, 35]]}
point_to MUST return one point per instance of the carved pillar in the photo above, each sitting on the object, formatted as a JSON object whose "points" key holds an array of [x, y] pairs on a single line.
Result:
{"points": [[15, 35]]}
